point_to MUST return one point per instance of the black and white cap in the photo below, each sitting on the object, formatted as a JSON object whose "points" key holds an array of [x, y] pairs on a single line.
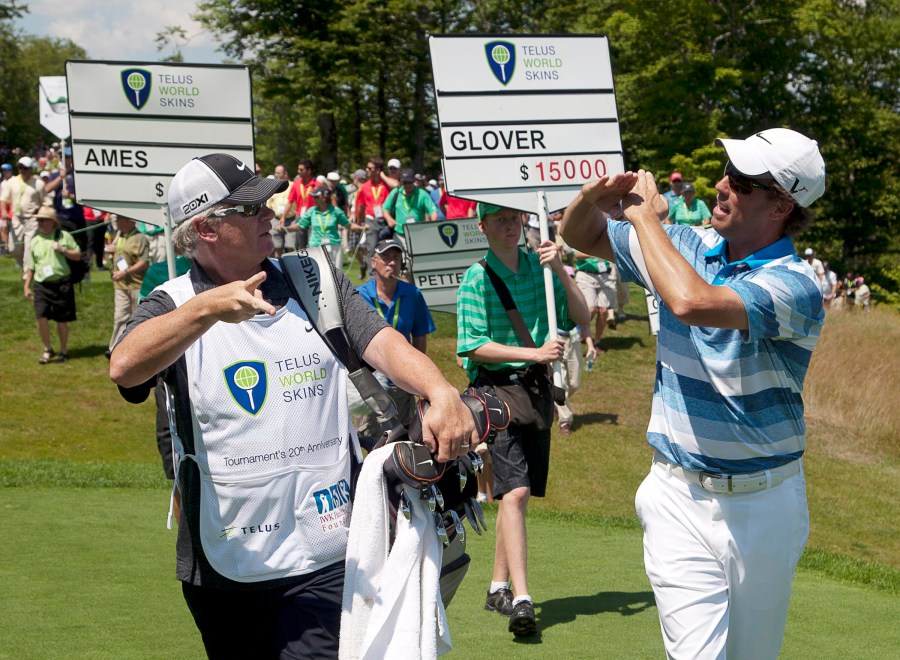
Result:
{"points": [[214, 178]]}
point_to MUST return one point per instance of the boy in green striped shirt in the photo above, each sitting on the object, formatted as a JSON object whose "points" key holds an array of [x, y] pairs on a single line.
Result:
{"points": [[495, 354]]}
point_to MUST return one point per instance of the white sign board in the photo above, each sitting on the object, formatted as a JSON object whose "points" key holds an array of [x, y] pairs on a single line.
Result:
{"points": [[134, 125], [443, 252], [53, 105], [521, 114]]}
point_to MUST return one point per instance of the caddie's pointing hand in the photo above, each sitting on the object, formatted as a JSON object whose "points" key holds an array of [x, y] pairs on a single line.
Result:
{"points": [[241, 300]]}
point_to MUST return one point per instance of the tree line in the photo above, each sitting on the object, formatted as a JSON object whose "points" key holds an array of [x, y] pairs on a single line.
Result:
{"points": [[341, 81]]}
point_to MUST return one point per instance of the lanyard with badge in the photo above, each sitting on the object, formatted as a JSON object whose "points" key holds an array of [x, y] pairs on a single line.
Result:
{"points": [[304, 192], [376, 203], [323, 226], [396, 318], [121, 261]]}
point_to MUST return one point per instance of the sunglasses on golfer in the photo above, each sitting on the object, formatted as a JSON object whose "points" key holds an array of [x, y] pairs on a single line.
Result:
{"points": [[743, 184], [243, 210]]}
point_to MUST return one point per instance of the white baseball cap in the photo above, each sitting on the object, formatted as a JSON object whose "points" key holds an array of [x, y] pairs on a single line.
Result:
{"points": [[808, 252], [393, 162], [208, 180], [27, 162], [333, 176], [791, 158]]}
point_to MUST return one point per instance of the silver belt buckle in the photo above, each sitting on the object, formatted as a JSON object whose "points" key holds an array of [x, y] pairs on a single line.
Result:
{"points": [[714, 482]]}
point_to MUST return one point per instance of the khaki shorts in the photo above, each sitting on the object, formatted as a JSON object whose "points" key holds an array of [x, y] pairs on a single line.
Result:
{"points": [[598, 289]]}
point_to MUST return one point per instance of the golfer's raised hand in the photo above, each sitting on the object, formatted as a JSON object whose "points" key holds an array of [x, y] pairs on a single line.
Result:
{"points": [[606, 191], [239, 301], [644, 200]]}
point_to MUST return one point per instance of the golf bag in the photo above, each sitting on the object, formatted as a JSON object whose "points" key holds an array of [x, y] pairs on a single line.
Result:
{"points": [[445, 486]]}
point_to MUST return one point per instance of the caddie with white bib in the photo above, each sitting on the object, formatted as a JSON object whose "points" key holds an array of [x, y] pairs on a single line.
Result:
{"points": [[724, 507], [258, 411]]}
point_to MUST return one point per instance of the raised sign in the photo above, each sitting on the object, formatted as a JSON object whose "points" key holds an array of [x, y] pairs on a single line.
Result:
{"points": [[53, 105], [134, 125], [521, 114]]}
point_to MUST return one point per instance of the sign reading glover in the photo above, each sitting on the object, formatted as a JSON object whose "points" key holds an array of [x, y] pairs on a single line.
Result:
{"points": [[522, 114]]}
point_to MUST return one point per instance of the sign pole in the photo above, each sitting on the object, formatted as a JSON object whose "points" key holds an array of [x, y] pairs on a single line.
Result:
{"points": [[170, 247], [548, 284]]}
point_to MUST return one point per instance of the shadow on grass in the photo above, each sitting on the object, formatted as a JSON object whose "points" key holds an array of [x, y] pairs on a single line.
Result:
{"points": [[586, 419], [566, 610], [611, 343], [86, 352]]}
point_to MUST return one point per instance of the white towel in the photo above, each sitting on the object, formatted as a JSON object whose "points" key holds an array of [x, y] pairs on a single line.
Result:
{"points": [[391, 606]]}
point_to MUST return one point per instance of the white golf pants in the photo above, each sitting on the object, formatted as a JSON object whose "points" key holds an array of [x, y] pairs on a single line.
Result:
{"points": [[721, 565]]}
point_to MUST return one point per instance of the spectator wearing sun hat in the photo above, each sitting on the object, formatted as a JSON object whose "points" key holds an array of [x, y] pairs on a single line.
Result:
{"points": [[48, 283], [23, 194]]}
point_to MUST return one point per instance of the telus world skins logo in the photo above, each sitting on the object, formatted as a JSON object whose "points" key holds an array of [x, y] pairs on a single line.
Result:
{"points": [[248, 383], [137, 83], [501, 57], [449, 233]]}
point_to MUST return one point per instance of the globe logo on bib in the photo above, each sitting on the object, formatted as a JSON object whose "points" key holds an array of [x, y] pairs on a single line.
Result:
{"points": [[247, 382]]}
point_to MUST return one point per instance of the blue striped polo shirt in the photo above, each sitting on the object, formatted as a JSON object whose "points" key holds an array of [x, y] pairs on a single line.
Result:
{"points": [[729, 401]]}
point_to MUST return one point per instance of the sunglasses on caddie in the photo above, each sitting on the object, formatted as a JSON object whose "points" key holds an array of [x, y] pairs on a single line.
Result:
{"points": [[245, 211]]}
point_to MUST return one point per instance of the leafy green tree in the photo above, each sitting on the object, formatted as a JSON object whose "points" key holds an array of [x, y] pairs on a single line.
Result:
{"points": [[23, 60]]}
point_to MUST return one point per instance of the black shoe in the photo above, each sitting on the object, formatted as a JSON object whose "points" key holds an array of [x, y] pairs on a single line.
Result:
{"points": [[521, 622], [499, 601]]}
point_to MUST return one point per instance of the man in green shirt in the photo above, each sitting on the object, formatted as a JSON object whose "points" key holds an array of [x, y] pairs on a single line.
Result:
{"points": [[53, 295], [408, 203], [494, 354]]}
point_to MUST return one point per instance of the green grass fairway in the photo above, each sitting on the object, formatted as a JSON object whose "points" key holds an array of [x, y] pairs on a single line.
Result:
{"points": [[87, 567], [89, 573]]}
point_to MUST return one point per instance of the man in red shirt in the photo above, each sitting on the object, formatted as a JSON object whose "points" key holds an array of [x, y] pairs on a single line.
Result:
{"points": [[455, 208], [369, 201], [300, 196]]}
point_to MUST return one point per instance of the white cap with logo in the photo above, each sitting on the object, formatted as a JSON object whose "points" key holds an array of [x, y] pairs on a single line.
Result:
{"points": [[790, 157]]}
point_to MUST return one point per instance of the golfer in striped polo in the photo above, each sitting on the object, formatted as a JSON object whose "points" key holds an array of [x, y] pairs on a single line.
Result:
{"points": [[724, 507], [517, 366]]}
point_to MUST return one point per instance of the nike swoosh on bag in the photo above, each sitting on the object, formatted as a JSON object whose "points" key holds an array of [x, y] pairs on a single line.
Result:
{"points": [[241, 167]]}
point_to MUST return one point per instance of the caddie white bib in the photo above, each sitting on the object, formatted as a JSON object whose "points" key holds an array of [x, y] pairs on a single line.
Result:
{"points": [[272, 439]]}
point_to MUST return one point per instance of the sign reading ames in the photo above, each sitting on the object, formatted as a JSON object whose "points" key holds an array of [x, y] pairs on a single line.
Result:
{"points": [[135, 125], [522, 114], [443, 251]]}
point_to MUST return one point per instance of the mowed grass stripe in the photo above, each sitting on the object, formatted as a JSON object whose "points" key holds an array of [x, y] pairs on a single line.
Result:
{"points": [[89, 573]]}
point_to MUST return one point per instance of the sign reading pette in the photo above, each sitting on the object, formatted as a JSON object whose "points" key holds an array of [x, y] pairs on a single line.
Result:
{"points": [[522, 114], [444, 251], [134, 125]]}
